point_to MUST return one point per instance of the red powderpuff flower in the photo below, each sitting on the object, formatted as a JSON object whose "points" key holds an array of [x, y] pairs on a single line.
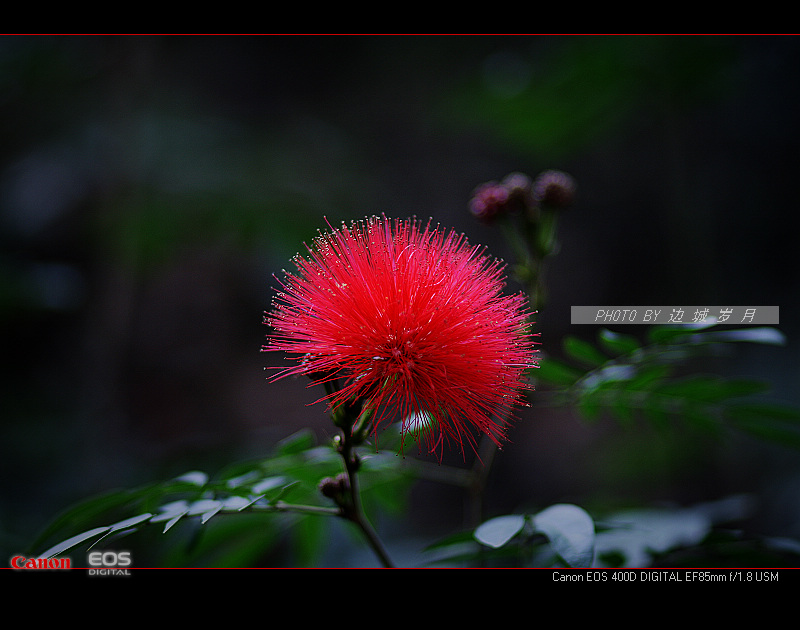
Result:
{"points": [[411, 320]]}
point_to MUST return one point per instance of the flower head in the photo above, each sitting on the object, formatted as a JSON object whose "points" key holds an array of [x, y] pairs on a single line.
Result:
{"points": [[492, 200], [488, 201], [412, 321], [554, 189]]}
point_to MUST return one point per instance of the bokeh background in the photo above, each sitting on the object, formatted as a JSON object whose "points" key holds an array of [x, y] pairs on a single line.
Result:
{"points": [[150, 187]]}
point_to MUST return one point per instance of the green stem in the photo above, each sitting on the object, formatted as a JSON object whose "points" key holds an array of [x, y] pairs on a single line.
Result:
{"points": [[359, 519], [532, 243], [354, 421], [353, 509]]}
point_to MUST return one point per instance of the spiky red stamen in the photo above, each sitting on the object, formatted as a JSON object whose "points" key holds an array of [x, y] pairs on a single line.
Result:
{"points": [[411, 319]]}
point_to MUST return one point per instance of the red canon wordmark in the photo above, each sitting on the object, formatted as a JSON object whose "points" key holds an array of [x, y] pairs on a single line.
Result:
{"points": [[21, 562]]}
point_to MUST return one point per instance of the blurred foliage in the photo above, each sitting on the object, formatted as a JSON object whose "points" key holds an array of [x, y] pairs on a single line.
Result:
{"points": [[562, 535], [564, 94], [626, 379], [268, 498]]}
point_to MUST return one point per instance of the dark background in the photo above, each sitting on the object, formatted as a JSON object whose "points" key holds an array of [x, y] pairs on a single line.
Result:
{"points": [[150, 187]]}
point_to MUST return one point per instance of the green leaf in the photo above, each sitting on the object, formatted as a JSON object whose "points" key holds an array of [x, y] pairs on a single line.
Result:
{"points": [[237, 504], [772, 411], [744, 387], [670, 333], [81, 516], [73, 542], [709, 388], [638, 534], [457, 538], [702, 418], [130, 522], [570, 531], [269, 483], [583, 352], [616, 343], [283, 492], [498, 531], [687, 333], [648, 376], [763, 334], [297, 443], [173, 521], [194, 477], [121, 526], [557, 373], [774, 422], [608, 375], [205, 508]]}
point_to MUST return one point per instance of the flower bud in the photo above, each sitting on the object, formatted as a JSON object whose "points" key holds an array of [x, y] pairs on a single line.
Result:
{"points": [[488, 201], [334, 487], [554, 189], [519, 191]]}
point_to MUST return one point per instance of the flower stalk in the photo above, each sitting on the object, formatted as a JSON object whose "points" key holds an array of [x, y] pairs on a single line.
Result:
{"points": [[353, 421], [527, 212]]}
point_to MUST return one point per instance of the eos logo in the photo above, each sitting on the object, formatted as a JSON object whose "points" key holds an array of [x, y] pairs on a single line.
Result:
{"points": [[110, 561]]}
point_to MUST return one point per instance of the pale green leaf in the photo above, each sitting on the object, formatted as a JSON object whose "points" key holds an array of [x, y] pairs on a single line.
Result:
{"points": [[617, 343], [73, 542], [195, 477], [570, 531], [496, 532], [762, 334]]}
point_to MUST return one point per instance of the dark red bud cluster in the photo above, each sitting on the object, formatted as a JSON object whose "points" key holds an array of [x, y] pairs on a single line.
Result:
{"points": [[516, 193]]}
